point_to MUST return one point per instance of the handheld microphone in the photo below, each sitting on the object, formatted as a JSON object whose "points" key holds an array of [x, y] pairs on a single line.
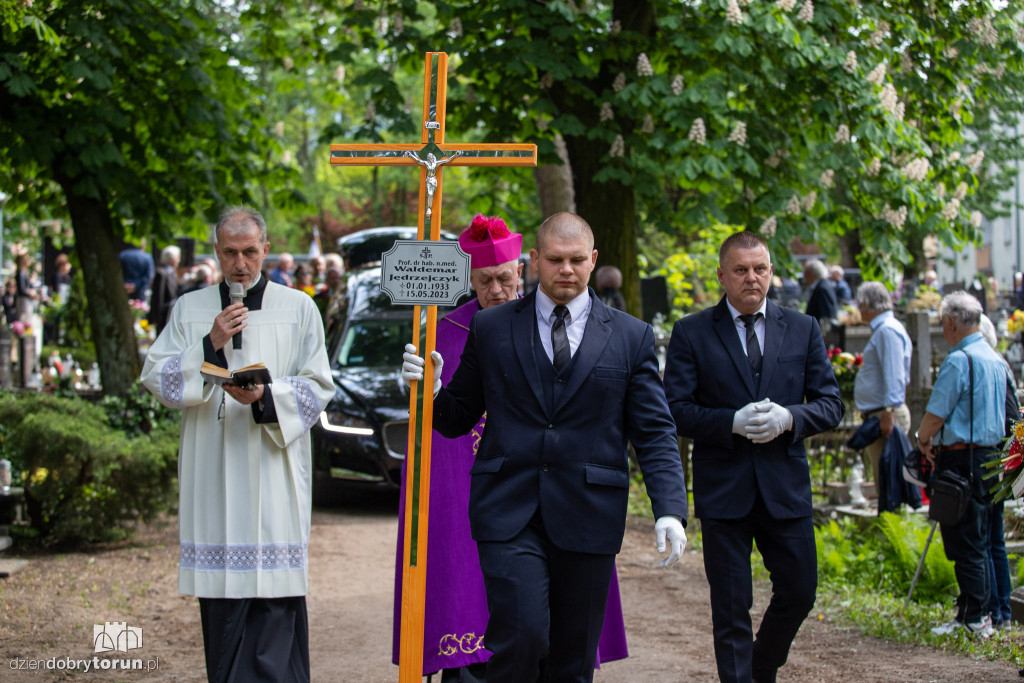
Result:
{"points": [[236, 292]]}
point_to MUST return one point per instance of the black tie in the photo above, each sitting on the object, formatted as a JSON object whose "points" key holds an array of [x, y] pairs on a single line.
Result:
{"points": [[753, 348], [560, 339]]}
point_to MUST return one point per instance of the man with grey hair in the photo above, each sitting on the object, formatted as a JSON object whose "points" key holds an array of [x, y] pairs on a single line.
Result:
{"points": [[244, 458], [881, 385], [838, 279], [821, 304], [165, 288], [960, 431]]}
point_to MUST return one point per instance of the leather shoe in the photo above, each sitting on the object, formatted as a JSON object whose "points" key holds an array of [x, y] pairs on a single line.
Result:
{"points": [[764, 675]]}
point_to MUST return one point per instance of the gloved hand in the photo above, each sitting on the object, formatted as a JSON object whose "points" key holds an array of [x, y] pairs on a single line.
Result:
{"points": [[770, 421], [670, 527], [412, 367], [743, 415]]}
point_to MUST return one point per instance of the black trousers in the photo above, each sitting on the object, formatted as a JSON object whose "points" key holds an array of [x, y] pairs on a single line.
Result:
{"points": [[255, 640], [546, 608], [967, 543], [787, 546]]}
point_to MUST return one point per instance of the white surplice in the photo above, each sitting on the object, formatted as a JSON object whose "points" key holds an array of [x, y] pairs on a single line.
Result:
{"points": [[244, 488]]}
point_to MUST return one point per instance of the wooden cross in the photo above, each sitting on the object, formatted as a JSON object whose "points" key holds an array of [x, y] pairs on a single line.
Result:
{"points": [[431, 155]]}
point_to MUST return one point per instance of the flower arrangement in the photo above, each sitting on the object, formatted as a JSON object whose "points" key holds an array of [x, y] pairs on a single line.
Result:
{"points": [[845, 366], [1015, 324], [21, 329], [309, 289], [926, 299], [1008, 468]]}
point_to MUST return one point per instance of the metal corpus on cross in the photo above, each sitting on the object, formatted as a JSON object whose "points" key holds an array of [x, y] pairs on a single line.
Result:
{"points": [[431, 155]]}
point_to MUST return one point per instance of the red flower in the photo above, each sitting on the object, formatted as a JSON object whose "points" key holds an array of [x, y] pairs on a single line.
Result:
{"points": [[858, 360]]}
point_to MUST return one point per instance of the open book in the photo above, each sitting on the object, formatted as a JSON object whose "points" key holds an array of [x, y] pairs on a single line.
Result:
{"points": [[250, 374]]}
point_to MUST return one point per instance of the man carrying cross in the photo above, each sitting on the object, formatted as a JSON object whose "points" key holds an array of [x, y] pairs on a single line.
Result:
{"points": [[566, 382]]}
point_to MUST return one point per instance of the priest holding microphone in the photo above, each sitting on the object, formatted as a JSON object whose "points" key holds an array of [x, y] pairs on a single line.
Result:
{"points": [[244, 458]]}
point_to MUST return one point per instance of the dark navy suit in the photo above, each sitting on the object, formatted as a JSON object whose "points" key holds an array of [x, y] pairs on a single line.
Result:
{"points": [[745, 491], [551, 476]]}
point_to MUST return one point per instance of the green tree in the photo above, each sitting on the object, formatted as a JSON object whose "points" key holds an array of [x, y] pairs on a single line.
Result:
{"points": [[136, 120], [862, 121]]}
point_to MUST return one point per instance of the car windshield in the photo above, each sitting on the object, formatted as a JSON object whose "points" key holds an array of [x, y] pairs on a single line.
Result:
{"points": [[373, 343]]}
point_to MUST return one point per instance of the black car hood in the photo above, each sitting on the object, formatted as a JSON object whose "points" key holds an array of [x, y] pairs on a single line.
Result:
{"points": [[379, 391]]}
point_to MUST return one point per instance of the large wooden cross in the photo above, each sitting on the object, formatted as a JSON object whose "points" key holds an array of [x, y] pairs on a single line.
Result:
{"points": [[431, 155]]}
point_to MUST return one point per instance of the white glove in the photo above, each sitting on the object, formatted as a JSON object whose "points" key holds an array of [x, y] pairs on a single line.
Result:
{"points": [[412, 367], [743, 416], [770, 421], [671, 527]]}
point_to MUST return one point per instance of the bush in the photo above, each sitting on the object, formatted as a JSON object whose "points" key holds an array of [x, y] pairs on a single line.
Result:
{"points": [[85, 481]]}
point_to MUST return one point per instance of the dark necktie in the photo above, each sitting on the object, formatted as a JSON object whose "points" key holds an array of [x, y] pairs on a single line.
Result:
{"points": [[560, 339], [753, 348]]}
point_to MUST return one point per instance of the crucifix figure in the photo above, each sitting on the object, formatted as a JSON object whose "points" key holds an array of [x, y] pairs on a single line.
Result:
{"points": [[430, 154], [431, 163]]}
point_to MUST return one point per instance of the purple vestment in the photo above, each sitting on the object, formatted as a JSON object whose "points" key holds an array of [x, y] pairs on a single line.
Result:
{"points": [[456, 604]]}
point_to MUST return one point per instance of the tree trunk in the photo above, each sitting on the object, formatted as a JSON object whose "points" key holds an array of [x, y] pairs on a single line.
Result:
{"points": [[117, 351], [554, 184]]}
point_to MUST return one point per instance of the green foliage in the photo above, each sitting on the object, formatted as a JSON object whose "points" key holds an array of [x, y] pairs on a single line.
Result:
{"points": [[884, 557], [84, 480], [138, 413]]}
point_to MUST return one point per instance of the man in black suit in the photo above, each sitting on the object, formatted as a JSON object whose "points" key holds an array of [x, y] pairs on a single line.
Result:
{"points": [[748, 381], [821, 305], [566, 382]]}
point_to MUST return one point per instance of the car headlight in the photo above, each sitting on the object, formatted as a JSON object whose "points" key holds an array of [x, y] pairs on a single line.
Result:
{"points": [[345, 424]]}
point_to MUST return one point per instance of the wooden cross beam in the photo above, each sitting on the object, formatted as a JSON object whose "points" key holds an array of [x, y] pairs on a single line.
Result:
{"points": [[431, 155]]}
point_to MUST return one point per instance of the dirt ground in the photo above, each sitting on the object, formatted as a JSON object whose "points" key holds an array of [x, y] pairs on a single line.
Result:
{"points": [[48, 610]]}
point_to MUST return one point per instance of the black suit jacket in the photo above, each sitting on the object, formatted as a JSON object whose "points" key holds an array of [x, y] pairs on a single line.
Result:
{"points": [[568, 460], [822, 304], [707, 379]]}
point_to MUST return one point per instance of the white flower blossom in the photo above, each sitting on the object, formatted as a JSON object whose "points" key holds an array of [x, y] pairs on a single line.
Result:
{"points": [[999, 71], [339, 74], [828, 177], [785, 5], [976, 218], [739, 134], [983, 31], [774, 160], [288, 63], [809, 200], [888, 98], [906, 63], [793, 205], [851, 62], [371, 112], [960, 192], [648, 126], [917, 169], [973, 162], [546, 81], [748, 194], [894, 218], [768, 227], [842, 135], [606, 112], [618, 147], [279, 128], [643, 66], [398, 23], [899, 111], [678, 83], [874, 167], [286, 158], [951, 209], [697, 132], [456, 27], [806, 12], [733, 14], [877, 74], [616, 27], [940, 190], [619, 83], [951, 53], [542, 123], [878, 35], [954, 108]]}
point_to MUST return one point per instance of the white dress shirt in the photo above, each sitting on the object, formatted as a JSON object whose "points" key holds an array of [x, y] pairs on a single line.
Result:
{"points": [[575, 322], [741, 327]]}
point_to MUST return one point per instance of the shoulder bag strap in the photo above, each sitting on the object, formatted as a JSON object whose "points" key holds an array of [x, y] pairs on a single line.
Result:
{"points": [[970, 446]]}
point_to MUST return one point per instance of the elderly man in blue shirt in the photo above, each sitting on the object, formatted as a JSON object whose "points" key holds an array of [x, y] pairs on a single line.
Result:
{"points": [[881, 385], [955, 439]]}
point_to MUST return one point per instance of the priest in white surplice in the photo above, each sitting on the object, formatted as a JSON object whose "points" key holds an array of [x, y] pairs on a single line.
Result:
{"points": [[244, 467]]}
